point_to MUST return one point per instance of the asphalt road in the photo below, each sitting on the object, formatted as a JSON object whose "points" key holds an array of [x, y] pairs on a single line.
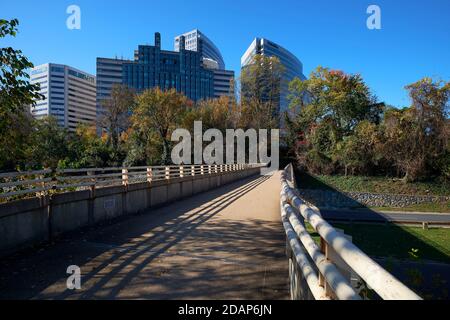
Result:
{"points": [[368, 215]]}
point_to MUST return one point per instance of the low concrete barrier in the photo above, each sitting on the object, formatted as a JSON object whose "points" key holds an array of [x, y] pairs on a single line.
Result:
{"points": [[33, 221]]}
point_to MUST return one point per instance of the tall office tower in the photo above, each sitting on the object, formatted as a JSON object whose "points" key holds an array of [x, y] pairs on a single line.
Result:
{"points": [[212, 59], [182, 70], [197, 41], [109, 72], [293, 66], [223, 83], [69, 95]]}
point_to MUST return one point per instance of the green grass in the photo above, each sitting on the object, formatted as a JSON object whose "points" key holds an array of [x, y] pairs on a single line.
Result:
{"points": [[372, 185], [397, 241]]}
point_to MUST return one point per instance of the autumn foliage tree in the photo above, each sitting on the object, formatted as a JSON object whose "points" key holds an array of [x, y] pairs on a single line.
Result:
{"points": [[156, 115], [341, 128], [330, 104], [416, 139]]}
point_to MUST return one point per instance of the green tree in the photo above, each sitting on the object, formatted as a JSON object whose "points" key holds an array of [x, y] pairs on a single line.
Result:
{"points": [[329, 106], [359, 152], [416, 138], [17, 94], [48, 144], [156, 115], [86, 150], [215, 113], [115, 115], [261, 83]]}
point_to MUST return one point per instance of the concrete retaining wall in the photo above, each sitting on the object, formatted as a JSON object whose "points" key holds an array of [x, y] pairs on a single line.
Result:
{"points": [[34, 221]]}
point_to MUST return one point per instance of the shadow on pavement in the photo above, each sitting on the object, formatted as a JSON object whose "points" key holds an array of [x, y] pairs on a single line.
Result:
{"points": [[181, 251]]}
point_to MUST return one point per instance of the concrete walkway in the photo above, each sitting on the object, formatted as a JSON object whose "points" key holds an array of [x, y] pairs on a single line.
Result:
{"points": [[227, 243]]}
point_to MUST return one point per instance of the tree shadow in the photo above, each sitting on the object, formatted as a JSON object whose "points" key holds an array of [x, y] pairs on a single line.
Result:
{"points": [[181, 251], [388, 243]]}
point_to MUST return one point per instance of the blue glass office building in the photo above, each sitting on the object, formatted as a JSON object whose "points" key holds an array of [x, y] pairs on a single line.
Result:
{"points": [[182, 70], [292, 65]]}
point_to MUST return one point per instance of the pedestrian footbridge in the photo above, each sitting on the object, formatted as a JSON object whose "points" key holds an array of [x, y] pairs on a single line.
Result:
{"points": [[189, 232]]}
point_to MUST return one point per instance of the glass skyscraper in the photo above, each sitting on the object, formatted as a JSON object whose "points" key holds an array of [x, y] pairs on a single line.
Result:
{"points": [[292, 65], [197, 41], [183, 71], [212, 59]]}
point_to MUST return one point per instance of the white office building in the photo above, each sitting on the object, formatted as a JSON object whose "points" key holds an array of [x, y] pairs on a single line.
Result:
{"points": [[69, 95]]}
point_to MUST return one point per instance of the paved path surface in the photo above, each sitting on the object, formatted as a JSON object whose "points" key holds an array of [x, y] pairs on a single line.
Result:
{"points": [[378, 216], [227, 243]]}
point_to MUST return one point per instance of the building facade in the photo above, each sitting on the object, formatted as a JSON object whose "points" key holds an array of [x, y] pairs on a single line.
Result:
{"points": [[197, 41], [69, 95], [292, 65], [223, 83], [196, 70], [212, 59], [181, 70], [109, 72]]}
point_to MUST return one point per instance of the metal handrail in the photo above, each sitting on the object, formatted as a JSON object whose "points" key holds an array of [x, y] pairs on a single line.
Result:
{"points": [[382, 282], [41, 182], [338, 283]]}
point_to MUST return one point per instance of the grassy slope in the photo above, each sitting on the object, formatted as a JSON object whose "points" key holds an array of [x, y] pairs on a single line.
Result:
{"points": [[380, 185], [372, 184], [397, 241]]}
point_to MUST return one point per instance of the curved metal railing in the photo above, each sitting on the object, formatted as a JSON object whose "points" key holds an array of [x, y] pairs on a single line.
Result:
{"points": [[319, 265]]}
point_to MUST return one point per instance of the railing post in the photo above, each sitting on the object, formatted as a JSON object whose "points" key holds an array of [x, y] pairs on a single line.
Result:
{"points": [[322, 249], [42, 193], [149, 174], [192, 170], [125, 177], [201, 170], [181, 171], [334, 258], [209, 169], [215, 168], [322, 282], [93, 180], [167, 173], [91, 197]]}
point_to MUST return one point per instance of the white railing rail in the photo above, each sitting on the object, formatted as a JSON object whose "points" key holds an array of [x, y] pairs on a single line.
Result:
{"points": [[42, 182], [329, 281]]}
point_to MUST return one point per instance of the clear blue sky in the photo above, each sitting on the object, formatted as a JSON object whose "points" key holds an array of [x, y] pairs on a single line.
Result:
{"points": [[414, 41]]}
